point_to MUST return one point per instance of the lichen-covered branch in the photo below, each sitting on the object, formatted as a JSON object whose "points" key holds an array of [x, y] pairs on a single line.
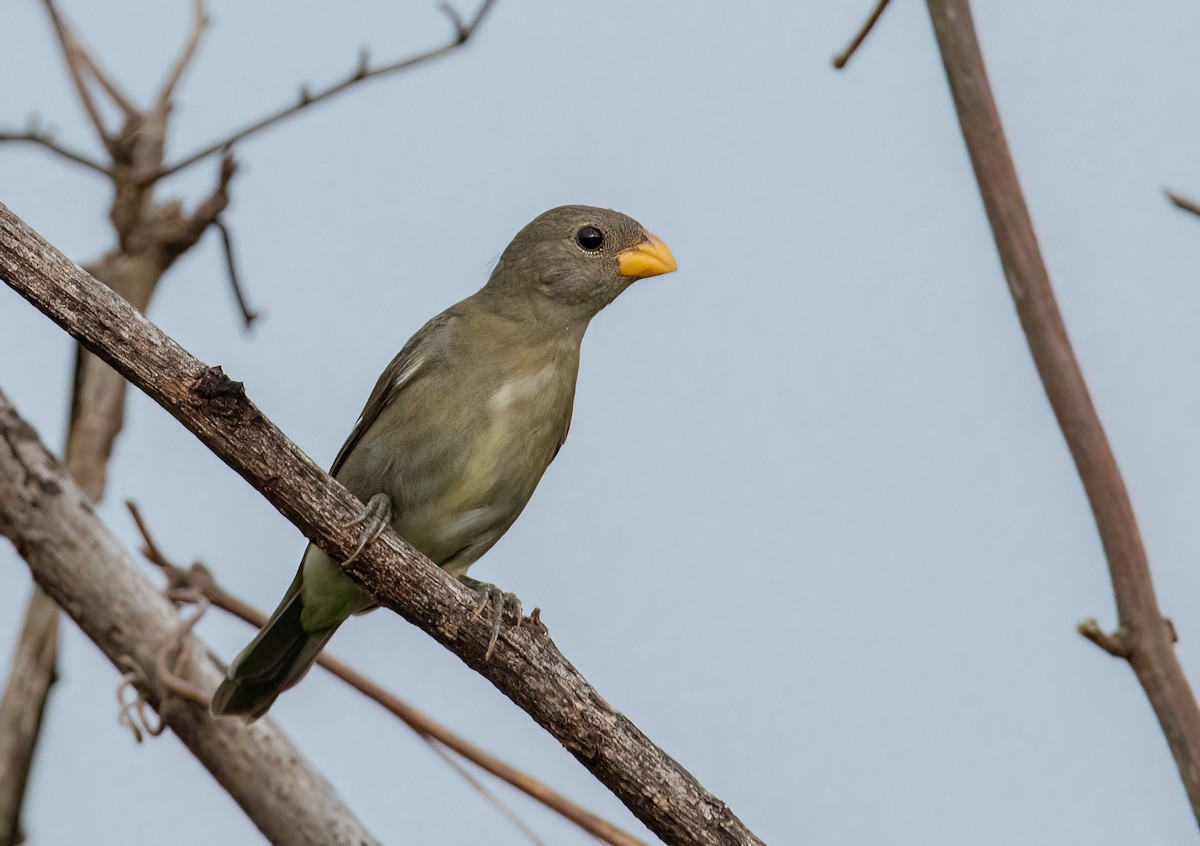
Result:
{"points": [[526, 665]]}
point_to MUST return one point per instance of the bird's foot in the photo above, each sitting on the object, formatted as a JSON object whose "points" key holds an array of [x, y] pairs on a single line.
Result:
{"points": [[491, 595], [376, 516]]}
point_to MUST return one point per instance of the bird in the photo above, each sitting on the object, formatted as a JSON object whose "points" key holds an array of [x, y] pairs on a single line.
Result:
{"points": [[458, 431]]}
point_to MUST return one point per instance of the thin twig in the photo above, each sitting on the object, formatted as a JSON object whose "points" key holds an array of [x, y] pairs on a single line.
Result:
{"points": [[200, 22], [73, 56], [106, 82], [200, 579], [169, 678], [1144, 638], [46, 141], [248, 315], [1183, 202], [479, 786], [1114, 644], [840, 60], [362, 71]]}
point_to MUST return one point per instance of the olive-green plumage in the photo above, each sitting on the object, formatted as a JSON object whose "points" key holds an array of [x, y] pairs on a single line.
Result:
{"points": [[461, 426]]}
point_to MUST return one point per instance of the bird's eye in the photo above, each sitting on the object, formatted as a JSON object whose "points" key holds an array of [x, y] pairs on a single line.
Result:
{"points": [[590, 238]]}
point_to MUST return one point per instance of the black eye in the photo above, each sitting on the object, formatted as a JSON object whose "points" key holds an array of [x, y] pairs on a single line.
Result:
{"points": [[590, 238]]}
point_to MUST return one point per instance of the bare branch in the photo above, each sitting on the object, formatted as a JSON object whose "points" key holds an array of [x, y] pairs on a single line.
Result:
{"points": [[1144, 638], [1114, 644], [76, 560], [73, 55], [45, 139], [248, 316], [106, 82], [479, 787], [200, 579], [1183, 202], [211, 206], [526, 665], [200, 22], [362, 72], [23, 706], [840, 60]]}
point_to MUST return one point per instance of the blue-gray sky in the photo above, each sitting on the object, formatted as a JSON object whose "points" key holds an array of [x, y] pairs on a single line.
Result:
{"points": [[815, 530]]}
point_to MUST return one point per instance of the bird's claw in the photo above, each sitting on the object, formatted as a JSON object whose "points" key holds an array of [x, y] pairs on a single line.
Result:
{"points": [[498, 599], [376, 516]]}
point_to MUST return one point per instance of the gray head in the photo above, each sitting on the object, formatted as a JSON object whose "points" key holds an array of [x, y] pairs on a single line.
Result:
{"points": [[572, 261]]}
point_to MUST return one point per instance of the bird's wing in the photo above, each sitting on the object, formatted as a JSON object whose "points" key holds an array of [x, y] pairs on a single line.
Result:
{"points": [[413, 360]]}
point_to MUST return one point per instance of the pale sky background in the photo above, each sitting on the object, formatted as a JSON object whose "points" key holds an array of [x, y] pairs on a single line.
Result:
{"points": [[815, 530]]}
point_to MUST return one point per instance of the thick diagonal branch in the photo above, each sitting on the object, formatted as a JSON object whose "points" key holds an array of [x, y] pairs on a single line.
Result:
{"points": [[1143, 638], [77, 561], [199, 579], [526, 666]]}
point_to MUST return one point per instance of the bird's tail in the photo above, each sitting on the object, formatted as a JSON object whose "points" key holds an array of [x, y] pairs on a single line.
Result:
{"points": [[276, 659]]}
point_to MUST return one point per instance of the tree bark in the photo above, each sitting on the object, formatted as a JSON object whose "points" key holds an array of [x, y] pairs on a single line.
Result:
{"points": [[24, 703], [86, 571], [1144, 638], [526, 666], [96, 418]]}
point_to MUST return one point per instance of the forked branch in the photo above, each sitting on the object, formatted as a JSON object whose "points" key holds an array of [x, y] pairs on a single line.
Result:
{"points": [[463, 30]]}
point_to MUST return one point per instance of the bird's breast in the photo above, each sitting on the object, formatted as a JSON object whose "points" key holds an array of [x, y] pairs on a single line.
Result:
{"points": [[522, 423]]}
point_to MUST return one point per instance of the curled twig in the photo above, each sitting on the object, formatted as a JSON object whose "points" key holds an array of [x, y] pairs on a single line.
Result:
{"points": [[135, 713], [169, 671]]}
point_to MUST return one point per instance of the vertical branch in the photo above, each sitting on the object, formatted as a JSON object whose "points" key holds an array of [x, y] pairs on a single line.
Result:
{"points": [[200, 22], [96, 418], [1143, 637], [24, 703]]}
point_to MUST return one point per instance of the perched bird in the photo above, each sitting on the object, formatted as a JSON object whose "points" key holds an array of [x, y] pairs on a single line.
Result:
{"points": [[459, 430]]}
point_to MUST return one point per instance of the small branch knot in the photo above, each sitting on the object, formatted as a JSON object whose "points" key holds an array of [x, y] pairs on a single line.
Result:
{"points": [[214, 387], [1114, 644], [463, 32]]}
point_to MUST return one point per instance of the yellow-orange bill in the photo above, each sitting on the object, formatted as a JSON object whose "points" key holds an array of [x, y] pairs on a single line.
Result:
{"points": [[650, 258]]}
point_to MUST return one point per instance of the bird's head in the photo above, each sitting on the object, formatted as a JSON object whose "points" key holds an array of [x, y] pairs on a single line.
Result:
{"points": [[572, 261]]}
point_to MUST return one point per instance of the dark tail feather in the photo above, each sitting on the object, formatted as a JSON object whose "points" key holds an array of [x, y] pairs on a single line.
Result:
{"points": [[276, 659]]}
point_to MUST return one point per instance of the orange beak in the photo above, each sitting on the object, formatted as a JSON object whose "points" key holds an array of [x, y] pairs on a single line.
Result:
{"points": [[650, 258]]}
